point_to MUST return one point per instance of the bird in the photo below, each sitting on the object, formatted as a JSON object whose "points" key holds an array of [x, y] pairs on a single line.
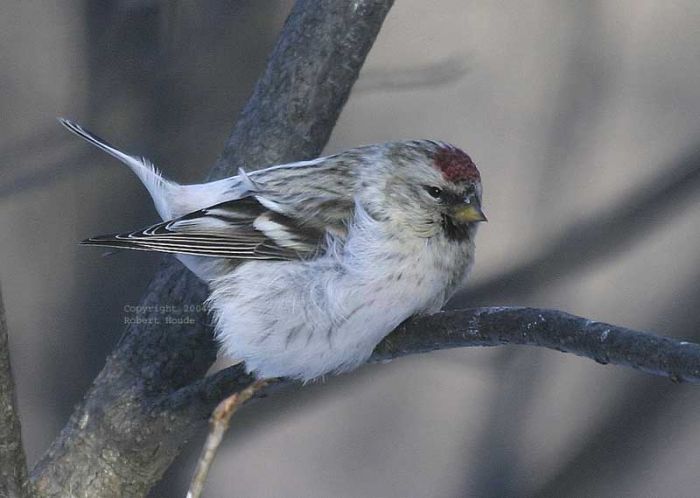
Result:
{"points": [[311, 264]]}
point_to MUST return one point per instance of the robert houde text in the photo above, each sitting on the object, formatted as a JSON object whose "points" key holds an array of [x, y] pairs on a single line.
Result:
{"points": [[168, 314]]}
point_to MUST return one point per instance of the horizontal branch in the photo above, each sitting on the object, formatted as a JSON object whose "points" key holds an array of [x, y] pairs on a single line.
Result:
{"points": [[553, 329]]}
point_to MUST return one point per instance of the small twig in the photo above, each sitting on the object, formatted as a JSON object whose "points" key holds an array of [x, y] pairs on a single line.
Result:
{"points": [[218, 425]]}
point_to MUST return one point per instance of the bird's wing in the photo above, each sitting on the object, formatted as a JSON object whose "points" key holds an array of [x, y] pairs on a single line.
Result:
{"points": [[243, 229]]}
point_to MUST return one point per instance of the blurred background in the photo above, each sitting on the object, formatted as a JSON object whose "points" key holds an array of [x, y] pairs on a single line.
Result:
{"points": [[584, 118]]}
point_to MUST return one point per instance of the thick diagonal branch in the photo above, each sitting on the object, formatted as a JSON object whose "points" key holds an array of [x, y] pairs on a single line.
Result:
{"points": [[119, 441], [13, 464]]}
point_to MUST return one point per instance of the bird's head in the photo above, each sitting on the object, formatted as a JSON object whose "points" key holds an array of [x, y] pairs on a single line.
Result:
{"points": [[429, 187]]}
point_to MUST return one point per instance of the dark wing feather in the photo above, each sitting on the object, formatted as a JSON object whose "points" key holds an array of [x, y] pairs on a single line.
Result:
{"points": [[242, 229]]}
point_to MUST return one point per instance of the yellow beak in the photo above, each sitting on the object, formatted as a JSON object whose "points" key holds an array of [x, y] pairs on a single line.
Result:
{"points": [[467, 213]]}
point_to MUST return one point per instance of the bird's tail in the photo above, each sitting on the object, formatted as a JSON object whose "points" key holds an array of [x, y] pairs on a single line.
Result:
{"points": [[162, 191], [171, 199]]}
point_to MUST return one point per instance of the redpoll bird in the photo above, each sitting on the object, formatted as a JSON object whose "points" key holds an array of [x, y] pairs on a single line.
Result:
{"points": [[311, 264]]}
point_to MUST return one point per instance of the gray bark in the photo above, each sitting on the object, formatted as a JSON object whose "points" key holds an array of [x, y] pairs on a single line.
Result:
{"points": [[553, 329], [307, 81], [119, 440], [13, 463]]}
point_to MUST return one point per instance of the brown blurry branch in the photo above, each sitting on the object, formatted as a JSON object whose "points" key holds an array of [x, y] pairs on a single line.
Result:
{"points": [[13, 464], [122, 436], [620, 441], [601, 235], [431, 75]]}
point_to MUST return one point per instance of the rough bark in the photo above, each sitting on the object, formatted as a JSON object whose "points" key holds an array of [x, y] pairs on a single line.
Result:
{"points": [[13, 464], [306, 83], [120, 440], [553, 329]]}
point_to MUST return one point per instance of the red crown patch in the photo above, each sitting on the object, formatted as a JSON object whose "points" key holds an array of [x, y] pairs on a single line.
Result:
{"points": [[455, 165]]}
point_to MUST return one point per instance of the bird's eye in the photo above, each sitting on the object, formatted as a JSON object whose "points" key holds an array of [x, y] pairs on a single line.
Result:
{"points": [[434, 192]]}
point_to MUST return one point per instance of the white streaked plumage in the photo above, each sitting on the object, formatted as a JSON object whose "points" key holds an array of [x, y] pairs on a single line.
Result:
{"points": [[311, 264]]}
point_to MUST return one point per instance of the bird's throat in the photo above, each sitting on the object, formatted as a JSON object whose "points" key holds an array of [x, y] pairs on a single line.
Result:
{"points": [[456, 231]]}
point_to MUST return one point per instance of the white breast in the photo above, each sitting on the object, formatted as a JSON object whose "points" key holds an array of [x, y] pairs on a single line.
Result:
{"points": [[305, 319]]}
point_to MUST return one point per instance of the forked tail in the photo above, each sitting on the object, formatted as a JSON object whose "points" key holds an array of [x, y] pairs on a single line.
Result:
{"points": [[159, 188]]}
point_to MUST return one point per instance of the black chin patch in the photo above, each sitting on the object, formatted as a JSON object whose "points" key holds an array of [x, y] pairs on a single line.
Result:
{"points": [[455, 231]]}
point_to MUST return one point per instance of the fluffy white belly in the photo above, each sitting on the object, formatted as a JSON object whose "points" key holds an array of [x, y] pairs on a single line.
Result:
{"points": [[305, 319]]}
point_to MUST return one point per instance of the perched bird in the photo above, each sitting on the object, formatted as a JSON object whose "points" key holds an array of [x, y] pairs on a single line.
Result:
{"points": [[311, 264]]}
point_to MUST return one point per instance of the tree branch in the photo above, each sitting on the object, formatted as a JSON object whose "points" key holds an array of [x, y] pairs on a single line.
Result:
{"points": [[13, 463], [120, 440], [553, 329], [432, 75], [218, 425], [308, 79]]}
